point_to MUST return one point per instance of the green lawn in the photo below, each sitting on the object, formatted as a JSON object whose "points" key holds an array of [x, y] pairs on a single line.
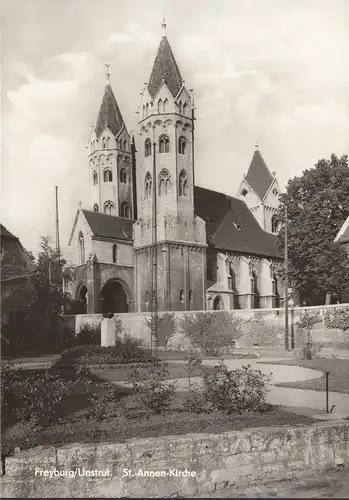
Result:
{"points": [[121, 373], [338, 378], [181, 355]]}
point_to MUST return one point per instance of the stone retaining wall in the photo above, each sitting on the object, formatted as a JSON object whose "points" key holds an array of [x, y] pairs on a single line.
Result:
{"points": [[265, 327], [238, 458]]}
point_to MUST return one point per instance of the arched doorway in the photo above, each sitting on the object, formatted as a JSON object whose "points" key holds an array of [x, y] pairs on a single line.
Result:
{"points": [[218, 303], [114, 298], [82, 298]]}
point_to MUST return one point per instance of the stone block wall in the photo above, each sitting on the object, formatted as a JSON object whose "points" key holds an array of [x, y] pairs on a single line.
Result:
{"points": [[212, 462], [265, 327]]}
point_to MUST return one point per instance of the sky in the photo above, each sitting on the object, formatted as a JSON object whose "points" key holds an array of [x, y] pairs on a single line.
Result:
{"points": [[274, 72]]}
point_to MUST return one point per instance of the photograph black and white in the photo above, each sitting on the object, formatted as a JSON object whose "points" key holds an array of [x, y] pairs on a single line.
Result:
{"points": [[174, 248]]}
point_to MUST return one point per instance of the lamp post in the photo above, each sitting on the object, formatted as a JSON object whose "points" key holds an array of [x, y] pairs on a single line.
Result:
{"points": [[154, 333], [286, 282]]}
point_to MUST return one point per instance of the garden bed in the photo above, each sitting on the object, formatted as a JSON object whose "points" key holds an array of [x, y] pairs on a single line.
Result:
{"points": [[338, 378], [81, 426]]}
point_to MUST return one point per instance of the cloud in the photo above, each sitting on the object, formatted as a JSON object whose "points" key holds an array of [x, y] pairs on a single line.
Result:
{"points": [[276, 72]]}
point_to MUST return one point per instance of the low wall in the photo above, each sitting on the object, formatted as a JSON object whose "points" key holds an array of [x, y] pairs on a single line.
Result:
{"points": [[265, 327], [212, 462]]}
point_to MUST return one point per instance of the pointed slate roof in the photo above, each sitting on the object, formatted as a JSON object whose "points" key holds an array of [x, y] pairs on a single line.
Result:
{"points": [[258, 175], [165, 66], [109, 113], [231, 226]]}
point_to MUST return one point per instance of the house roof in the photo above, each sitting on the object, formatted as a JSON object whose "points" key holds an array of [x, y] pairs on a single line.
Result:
{"points": [[344, 238], [258, 175], [230, 226], [5, 233], [165, 66], [109, 226], [109, 113]]}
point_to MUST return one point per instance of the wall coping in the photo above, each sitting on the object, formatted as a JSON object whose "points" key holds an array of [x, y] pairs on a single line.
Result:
{"points": [[241, 312]]}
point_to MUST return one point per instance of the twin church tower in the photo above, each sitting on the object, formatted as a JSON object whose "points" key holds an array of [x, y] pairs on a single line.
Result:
{"points": [[135, 181], [150, 237]]}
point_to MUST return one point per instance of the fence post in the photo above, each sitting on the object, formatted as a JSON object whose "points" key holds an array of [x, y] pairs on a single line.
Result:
{"points": [[327, 374]]}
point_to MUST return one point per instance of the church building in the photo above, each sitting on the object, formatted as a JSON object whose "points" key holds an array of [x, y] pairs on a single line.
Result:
{"points": [[151, 237]]}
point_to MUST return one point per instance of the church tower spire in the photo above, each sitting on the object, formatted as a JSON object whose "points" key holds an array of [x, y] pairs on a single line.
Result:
{"points": [[165, 176], [110, 159]]}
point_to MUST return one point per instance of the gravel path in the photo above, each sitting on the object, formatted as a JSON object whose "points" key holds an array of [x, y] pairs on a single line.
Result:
{"points": [[282, 396]]}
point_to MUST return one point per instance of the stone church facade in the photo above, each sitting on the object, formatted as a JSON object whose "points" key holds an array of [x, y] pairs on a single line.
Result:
{"points": [[151, 237]]}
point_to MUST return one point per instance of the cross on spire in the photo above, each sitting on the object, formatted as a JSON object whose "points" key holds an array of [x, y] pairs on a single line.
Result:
{"points": [[107, 66], [257, 146], [164, 26]]}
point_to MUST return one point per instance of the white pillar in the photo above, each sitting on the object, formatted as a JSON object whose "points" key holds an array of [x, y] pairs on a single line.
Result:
{"points": [[108, 332]]}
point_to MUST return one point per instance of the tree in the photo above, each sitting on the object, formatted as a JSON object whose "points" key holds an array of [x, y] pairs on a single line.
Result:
{"points": [[48, 296], [317, 206]]}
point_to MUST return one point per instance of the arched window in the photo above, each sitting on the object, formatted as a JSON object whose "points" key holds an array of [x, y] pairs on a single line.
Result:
{"points": [[183, 183], [108, 207], [165, 108], [115, 253], [95, 207], [181, 295], [108, 175], [95, 178], [164, 144], [164, 182], [123, 176], [125, 210], [182, 145], [190, 296], [127, 161], [143, 111], [185, 108], [180, 107], [103, 143], [81, 248], [147, 147], [148, 185], [231, 277], [125, 145], [274, 224], [160, 106]]}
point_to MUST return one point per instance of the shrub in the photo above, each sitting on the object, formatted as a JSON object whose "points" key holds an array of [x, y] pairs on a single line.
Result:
{"points": [[195, 402], [194, 398], [23, 434], [124, 351], [166, 327], [99, 401], [338, 318], [235, 391], [153, 389], [89, 335], [28, 395], [213, 332], [306, 323]]}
